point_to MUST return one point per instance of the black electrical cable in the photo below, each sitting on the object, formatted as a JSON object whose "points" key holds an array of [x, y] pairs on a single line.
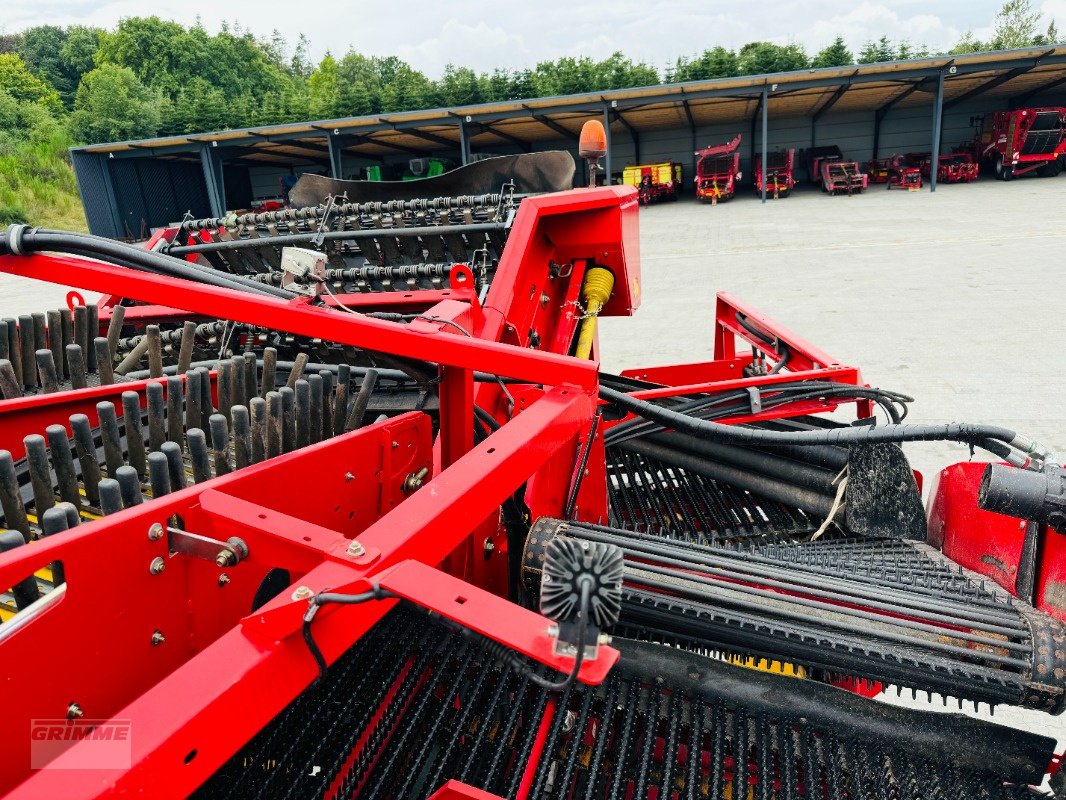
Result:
{"points": [[959, 432], [320, 599], [582, 463], [509, 657]]}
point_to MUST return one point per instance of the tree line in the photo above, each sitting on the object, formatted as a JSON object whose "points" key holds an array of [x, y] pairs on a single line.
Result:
{"points": [[152, 77]]}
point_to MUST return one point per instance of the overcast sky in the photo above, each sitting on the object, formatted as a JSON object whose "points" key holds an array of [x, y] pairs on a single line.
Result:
{"points": [[518, 33]]}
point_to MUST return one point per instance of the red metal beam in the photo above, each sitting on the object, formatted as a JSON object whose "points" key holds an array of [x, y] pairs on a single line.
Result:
{"points": [[299, 318]]}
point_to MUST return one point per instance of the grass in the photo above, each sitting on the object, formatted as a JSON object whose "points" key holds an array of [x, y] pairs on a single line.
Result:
{"points": [[37, 183]]}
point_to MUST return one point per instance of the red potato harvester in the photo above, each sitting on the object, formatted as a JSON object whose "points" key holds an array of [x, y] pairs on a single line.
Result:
{"points": [[894, 172], [718, 171], [778, 175], [334, 501], [1015, 143], [958, 167]]}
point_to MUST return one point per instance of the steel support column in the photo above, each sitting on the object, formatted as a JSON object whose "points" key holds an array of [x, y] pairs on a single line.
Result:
{"points": [[464, 144], [765, 120], [607, 158], [336, 156], [938, 120], [692, 129], [878, 116], [216, 188]]}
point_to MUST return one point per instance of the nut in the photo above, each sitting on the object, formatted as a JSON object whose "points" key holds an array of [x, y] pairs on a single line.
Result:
{"points": [[158, 638], [302, 593], [157, 565], [489, 546], [225, 558], [155, 532], [355, 549]]}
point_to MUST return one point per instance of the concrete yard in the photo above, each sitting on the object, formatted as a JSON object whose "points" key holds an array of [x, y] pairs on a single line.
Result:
{"points": [[953, 297]]}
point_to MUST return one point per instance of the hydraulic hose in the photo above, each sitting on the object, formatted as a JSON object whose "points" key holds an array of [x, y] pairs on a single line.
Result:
{"points": [[599, 282], [23, 240], [976, 435]]}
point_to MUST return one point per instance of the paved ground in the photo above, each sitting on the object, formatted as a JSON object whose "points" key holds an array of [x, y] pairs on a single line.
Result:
{"points": [[955, 298]]}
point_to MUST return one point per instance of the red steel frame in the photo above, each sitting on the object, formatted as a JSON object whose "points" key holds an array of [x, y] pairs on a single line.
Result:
{"points": [[233, 670], [726, 371]]}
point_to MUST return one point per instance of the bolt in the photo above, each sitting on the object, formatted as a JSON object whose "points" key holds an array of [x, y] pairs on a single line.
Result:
{"points": [[355, 550], [223, 579], [157, 565], [553, 630], [302, 593], [349, 477], [489, 546], [158, 638], [74, 711], [225, 558], [605, 638], [395, 445], [155, 532], [414, 481]]}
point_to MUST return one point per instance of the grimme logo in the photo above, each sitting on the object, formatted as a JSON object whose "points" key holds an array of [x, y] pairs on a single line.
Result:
{"points": [[102, 743]]}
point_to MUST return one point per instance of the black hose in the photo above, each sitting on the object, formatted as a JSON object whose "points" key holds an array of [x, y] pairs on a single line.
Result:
{"points": [[21, 240], [955, 431]]}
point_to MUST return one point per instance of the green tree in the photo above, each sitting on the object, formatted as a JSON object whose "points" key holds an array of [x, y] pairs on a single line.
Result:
{"points": [[1016, 25], [17, 81], [718, 62], [968, 44], [756, 58], [407, 90], [876, 52], [460, 86], [836, 54], [324, 89], [112, 104]]}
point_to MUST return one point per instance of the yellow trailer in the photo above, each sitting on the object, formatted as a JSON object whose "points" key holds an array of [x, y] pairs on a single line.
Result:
{"points": [[654, 181]]}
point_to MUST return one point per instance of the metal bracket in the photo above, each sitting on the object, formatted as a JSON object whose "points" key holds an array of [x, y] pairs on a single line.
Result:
{"points": [[756, 399], [225, 554]]}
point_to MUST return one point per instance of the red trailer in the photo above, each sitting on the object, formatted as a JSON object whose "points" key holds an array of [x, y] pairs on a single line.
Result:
{"points": [[779, 173], [1017, 142], [842, 176], [718, 170], [894, 171]]}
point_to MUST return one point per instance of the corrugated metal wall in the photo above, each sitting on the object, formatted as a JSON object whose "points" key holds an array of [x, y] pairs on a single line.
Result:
{"points": [[125, 198]]}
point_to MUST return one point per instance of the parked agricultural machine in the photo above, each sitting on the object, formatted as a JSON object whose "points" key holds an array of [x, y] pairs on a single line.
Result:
{"points": [[654, 182], [335, 502], [778, 175], [894, 172], [718, 171], [1014, 143], [842, 177], [952, 168]]}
